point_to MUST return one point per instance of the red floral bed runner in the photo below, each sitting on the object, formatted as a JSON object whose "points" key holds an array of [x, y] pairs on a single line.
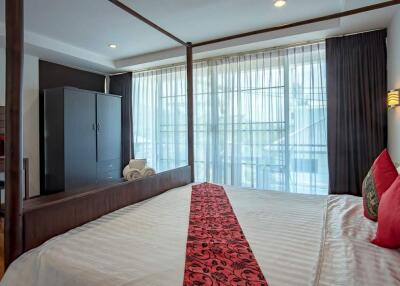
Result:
{"points": [[217, 252]]}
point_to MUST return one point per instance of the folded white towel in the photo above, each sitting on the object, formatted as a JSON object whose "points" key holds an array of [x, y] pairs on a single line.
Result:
{"points": [[148, 172], [130, 173], [139, 164], [125, 171], [133, 174]]}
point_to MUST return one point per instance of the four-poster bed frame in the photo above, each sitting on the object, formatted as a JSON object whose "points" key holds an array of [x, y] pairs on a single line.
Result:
{"points": [[30, 224]]}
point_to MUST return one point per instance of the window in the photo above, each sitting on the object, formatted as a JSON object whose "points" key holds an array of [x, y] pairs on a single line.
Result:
{"points": [[160, 117], [259, 119]]}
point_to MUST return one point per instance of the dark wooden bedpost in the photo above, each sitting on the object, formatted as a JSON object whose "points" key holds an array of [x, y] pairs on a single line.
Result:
{"points": [[13, 144], [189, 71]]}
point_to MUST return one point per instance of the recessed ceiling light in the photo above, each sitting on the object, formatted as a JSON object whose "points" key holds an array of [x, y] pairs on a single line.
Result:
{"points": [[112, 46], [279, 3]]}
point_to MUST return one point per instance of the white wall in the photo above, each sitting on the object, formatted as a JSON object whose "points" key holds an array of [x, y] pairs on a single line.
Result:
{"points": [[30, 115], [393, 45]]}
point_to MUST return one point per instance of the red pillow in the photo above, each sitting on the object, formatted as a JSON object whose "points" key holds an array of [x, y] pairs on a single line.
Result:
{"points": [[388, 232], [379, 178]]}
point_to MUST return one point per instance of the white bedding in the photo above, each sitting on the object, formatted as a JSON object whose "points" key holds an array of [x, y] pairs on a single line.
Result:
{"points": [[297, 240]]}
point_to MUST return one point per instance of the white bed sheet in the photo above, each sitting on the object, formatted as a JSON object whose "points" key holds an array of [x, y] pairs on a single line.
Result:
{"points": [[297, 240]]}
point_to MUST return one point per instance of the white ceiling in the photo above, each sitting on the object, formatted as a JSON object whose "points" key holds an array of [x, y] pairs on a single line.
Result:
{"points": [[77, 32]]}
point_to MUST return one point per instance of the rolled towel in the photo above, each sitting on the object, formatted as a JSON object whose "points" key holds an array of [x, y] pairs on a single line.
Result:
{"points": [[125, 171], [139, 164], [148, 172], [133, 174]]}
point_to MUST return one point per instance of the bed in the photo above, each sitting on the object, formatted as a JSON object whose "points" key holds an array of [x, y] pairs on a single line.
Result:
{"points": [[27, 227], [297, 240]]}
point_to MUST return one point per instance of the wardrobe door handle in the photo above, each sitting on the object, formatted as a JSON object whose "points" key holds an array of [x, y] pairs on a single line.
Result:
{"points": [[98, 127], [94, 127]]}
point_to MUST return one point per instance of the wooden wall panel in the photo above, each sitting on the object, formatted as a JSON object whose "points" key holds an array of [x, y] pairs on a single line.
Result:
{"points": [[2, 120]]}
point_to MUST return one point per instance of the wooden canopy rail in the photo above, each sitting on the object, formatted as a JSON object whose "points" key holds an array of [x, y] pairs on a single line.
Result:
{"points": [[147, 21], [13, 145], [15, 231], [260, 31], [189, 75], [302, 23]]}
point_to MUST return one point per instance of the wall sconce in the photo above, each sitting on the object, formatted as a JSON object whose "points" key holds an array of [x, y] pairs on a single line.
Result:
{"points": [[393, 98]]}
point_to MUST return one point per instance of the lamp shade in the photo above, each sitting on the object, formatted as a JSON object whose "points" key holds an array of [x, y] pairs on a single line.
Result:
{"points": [[393, 98]]}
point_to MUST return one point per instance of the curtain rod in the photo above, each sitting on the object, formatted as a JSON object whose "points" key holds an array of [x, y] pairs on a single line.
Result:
{"points": [[354, 33], [281, 47], [302, 23]]}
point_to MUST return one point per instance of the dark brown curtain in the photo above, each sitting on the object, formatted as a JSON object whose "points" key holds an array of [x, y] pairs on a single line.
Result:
{"points": [[357, 112], [121, 84]]}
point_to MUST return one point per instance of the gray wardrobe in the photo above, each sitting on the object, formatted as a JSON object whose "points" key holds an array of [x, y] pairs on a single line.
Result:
{"points": [[82, 138]]}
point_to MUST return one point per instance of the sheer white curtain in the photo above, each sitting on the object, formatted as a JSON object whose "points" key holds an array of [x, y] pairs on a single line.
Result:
{"points": [[160, 117], [240, 121], [259, 119], [307, 154]]}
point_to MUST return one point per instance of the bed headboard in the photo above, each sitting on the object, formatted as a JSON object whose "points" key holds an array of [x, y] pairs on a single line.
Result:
{"points": [[47, 216]]}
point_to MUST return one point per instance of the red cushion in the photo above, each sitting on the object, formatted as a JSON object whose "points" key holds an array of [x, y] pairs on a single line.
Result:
{"points": [[380, 177], [388, 232]]}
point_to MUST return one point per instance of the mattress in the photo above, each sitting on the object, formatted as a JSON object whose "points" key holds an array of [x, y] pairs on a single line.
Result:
{"points": [[296, 239]]}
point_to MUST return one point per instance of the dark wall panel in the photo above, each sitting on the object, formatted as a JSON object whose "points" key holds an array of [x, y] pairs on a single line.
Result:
{"points": [[54, 75], [121, 84]]}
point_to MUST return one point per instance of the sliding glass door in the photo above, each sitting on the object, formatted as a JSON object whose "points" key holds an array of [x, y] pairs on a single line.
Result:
{"points": [[240, 121], [259, 119]]}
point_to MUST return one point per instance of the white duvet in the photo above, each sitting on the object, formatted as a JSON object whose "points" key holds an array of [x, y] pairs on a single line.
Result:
{"points": [[297, 240]]}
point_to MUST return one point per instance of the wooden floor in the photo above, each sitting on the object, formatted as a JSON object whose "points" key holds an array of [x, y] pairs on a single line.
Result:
{"points": [[1, 247]]}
